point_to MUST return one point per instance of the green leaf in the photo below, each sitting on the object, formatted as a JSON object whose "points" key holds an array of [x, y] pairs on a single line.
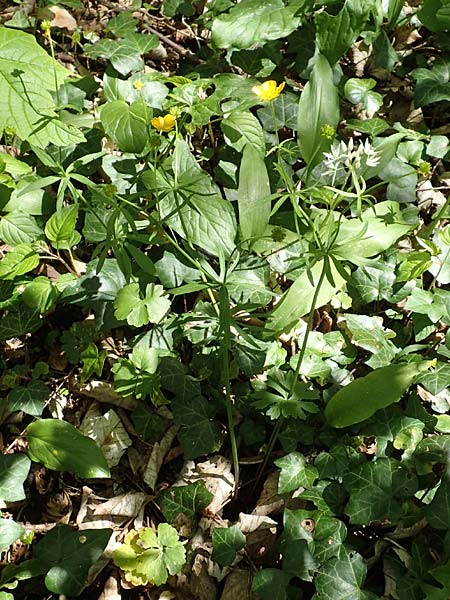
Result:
{"points": [[271, 584], [127, 125], [372, 127], [376, 490], [438, 511], [69, 555], [295, 473], [150, 557], [226, 541], [432, 85], [296, 302], [125, 54], [13, 472], [341, 578], [336, 33], [31, 398], [137, 310], [184, 502], [318, 106], [368, 333], [92, 361], [10, 531], [198, 434], [376, 230], [61, 447], [40, 294], [27, 76], [21, 321], [358, 91], [242, 130], [254, 202], [19, 228], [442, 575], [361, 398], [250, 22], [60, 228], [18, 261]]}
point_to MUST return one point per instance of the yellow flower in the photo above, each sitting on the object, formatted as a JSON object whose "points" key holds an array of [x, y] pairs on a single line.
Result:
{"points": [[166, 123], [138, 85], [269, 90]]}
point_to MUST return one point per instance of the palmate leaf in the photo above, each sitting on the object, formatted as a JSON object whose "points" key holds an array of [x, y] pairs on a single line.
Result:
{"points": [[27, 76]]}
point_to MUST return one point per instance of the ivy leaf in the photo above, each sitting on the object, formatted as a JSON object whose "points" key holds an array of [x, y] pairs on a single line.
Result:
{"points": [[30, 398], [359, 91], [13, 472], [368, 333], [60, 446], [376, 490], [69, 555], [10, 531], [137, 310], [27, 76], [295, 473], [126, 125], [271, 584], [198, 434], [442, 575], [341, 578], [432, 85], [227, 541], [438, 511], [184, 502], [19, 322]]}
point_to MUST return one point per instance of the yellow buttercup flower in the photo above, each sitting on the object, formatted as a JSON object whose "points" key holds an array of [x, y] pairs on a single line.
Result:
{"points": [[269, 90], [166, 123], [138, 85]]}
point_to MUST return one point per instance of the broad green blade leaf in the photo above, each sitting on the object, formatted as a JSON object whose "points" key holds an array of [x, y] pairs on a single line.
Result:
{"points": [[40, 294], [336, 33], [253, 22], [10, 531], [19, 228], [60, 228], [13, 472], [127, 125], [125, 54], [341, 578], [184, 502], [297, 301], [241, 130], [318, 106], [227, 541], [69, 555], [361, 398], [60, 446], [253, 195], [27, 75], [295, 473], [21, 259], [376, 230], [377, 489]]}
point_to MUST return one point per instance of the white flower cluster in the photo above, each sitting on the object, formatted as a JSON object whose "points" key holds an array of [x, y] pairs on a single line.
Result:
{"points": [[343, 156]]}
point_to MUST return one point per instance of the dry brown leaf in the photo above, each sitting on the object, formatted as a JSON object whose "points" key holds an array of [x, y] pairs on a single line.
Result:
{"points": [[124, 505], [111, 590], [238, 586], [62, 18], [157, 455], [269, 502]]}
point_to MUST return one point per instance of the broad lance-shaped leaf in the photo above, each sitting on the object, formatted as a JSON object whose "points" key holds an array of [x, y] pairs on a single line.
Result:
{"points": [[60, 446], [361, 398], [318, 106], [27, 76], [253, 194], [297, 301]]}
